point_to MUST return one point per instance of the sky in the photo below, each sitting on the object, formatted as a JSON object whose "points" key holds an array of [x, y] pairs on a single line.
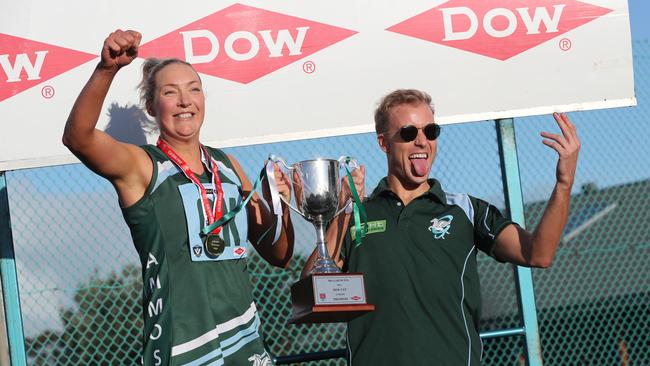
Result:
{"points": [[602, 165], [639, 19]]}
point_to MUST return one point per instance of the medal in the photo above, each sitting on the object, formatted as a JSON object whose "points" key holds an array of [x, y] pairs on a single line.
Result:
{"points": [[214, 245]]}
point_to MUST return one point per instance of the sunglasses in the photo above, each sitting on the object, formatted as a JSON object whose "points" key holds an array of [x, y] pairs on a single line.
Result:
{"points": [[408, 133]]}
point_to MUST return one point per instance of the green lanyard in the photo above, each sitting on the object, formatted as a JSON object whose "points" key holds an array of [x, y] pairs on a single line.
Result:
{"points": [[230, 214], [360, 217]]}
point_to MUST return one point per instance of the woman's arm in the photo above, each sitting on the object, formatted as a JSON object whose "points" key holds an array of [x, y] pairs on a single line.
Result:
{"points": [[126, 166], [260, 219]]}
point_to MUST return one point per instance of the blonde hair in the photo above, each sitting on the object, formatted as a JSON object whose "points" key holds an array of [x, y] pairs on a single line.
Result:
{"points": [[394, 99], [150, 68]]}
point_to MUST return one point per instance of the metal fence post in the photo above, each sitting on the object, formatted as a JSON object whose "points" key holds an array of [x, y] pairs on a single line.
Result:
{"points": [[515, 204], [9, 277]]}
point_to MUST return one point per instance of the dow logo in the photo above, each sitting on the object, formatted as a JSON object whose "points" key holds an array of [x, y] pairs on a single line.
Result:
{"points": [[242, 43], [499, 29], [25, 63], [239, 43]]}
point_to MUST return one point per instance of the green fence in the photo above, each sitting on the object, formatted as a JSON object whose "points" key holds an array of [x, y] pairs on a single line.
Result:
{"points": [[80, 283]]}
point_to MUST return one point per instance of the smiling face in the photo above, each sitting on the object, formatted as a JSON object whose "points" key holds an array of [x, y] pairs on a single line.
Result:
{"points": [[178, 102], [408, 162]]}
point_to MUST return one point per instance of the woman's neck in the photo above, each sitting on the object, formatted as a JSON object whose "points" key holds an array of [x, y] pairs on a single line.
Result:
{"points": [[189, 151]]}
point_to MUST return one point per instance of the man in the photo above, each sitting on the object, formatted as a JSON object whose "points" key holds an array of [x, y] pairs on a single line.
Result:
{"points": [[419, 253]]}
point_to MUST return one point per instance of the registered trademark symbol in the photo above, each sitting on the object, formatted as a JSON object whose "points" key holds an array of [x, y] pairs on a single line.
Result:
{"points": [[47, 92], [309, 67], [565, 44]]}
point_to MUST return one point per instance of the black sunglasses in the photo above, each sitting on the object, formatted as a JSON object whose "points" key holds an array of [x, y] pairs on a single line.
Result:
{"points": [[408, 133]]}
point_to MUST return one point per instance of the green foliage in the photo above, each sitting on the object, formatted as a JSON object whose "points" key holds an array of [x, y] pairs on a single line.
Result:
{"points": [[104, 327]]}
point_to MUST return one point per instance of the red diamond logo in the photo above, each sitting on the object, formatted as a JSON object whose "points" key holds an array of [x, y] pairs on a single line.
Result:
{"points": [[499, 29], [242, 43], [322, 296], [239, 251], [25, 63], [356, 298]]}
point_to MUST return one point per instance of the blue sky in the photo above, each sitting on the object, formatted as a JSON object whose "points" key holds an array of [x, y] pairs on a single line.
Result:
{"points": [[639, 17]]}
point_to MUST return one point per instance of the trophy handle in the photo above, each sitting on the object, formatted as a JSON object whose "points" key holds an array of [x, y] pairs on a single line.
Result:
{"points": [[279, 160], [274, 192], [354, 204], [347, 161]]}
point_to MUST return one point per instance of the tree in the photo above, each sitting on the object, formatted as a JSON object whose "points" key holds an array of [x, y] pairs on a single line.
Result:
{"points": [[104, 327]]}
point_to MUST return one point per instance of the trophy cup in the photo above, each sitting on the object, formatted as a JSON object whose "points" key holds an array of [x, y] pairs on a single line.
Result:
{"points": [[326, 295]]}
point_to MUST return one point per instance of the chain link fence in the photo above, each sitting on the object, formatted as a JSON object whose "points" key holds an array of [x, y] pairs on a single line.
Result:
{"points": [[594, 303], [80, 281]]}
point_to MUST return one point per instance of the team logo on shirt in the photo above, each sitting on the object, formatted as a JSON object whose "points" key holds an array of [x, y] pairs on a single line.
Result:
{"points": [[197, 250], [441, 226], [260, 360]]}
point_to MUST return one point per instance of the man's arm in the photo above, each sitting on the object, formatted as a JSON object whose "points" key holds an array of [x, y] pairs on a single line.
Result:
{"points": [[538, 248]]}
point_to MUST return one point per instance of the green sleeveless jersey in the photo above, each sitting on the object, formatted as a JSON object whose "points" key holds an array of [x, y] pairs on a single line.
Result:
{"points": [[198, 308]]}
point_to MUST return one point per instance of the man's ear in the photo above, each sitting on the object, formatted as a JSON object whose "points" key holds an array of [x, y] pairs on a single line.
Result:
{"points": [[383, 143]]}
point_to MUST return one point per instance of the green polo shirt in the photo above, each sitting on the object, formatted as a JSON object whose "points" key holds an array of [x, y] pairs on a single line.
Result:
{"points": [[420, 271]]}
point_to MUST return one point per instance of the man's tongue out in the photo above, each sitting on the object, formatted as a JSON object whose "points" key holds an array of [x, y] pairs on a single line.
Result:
{"points": [[419, 165]]}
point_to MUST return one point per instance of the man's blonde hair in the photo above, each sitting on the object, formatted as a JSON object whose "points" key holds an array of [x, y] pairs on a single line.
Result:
{"points": [[397, 98]]}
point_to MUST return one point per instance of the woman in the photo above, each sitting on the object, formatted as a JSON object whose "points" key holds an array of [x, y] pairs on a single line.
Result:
{"points": [[197, 298]]}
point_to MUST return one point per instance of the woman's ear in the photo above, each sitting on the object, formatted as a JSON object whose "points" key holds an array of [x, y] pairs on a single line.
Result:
{"points": [[150, 110]]}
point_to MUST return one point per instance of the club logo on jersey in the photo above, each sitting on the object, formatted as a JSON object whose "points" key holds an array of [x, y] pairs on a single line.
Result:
{"points": [[441, 226], [197, 250]]}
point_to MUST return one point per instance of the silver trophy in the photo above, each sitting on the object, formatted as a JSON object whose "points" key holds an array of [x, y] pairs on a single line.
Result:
{"points": [[317, 187], [326, 295]]}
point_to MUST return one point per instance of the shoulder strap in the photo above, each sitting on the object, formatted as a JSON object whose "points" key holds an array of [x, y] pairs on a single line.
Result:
{"points": [[230, 173]]}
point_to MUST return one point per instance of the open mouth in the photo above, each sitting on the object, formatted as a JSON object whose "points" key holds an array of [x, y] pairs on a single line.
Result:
{"points": [[419, 164], [184, 115], [419, 156]]}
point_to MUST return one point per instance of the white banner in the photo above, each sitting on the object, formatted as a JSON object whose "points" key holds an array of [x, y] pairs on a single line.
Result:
{"points": [[290, 69]]}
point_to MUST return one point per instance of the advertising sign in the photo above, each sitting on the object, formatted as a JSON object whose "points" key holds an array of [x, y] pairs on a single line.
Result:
{"points": [[288, 69]]}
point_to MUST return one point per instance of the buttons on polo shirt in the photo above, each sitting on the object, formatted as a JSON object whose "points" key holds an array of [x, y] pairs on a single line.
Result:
{"points": [[399, 203]]}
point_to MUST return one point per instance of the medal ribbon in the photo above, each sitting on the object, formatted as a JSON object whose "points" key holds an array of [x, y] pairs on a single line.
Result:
{"points": [[360, 217], [230, 214], [211, 214]]}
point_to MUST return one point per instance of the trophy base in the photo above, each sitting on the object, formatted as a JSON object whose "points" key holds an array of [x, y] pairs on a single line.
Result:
{"points": [[328, 298]]}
